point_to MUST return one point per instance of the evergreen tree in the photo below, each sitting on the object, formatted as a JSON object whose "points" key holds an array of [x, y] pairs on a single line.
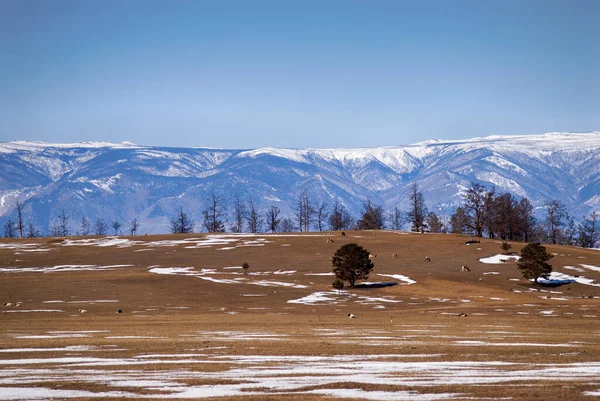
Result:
{"points": [[351, 262], [339, 219], [533, 262], [372, 217], [181, 224]]}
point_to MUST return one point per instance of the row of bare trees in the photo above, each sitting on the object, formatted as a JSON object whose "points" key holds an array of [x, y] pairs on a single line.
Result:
{"points": [[502, 215]]}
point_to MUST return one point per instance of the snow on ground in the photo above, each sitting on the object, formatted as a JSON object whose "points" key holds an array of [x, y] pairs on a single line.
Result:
{"points": [[222, 277], [400, 277], [337, 297], [557, 277], [60, 268], [272, 375], [590, 267], [498, 259]]}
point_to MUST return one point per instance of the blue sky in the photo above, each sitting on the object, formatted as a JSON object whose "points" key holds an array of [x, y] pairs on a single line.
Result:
{"points": [[305, 74]]}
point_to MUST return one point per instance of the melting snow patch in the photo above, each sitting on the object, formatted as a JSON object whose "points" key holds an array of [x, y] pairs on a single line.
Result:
{"points": [[498, 259], [400, 277]]}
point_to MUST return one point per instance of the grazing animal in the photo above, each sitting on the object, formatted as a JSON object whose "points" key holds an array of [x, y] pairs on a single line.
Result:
{"points": [[395, 255], [82, 311], [12, 304], [119, 310], [462, 315], [465, 269], [373, 255], [427, 258], [351, 315], [343, 234], [329, 240]]}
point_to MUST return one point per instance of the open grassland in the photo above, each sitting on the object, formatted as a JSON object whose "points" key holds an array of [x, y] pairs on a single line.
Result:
{"points": [[194, 325]]}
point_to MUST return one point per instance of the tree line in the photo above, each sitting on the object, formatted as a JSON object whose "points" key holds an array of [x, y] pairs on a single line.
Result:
{"points": [[483, 212]]}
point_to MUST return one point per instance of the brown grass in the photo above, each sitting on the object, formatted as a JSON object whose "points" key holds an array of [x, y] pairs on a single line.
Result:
{"points": [[179, 314]]}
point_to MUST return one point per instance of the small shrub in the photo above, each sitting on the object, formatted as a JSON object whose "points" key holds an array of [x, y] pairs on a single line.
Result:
{"points": [[338, 284], [505, 246], [245, 266]]}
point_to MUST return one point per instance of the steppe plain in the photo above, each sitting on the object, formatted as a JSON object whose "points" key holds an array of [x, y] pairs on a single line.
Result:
{"points": [[194, 325]]}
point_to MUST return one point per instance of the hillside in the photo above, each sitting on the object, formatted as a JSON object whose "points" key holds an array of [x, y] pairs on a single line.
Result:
{"points": [[121, 181]]}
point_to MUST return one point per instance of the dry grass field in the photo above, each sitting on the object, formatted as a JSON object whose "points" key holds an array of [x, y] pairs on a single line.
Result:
{"points": [[194, 325]]}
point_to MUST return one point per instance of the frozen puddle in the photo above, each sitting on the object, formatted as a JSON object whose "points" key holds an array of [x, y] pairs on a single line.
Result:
{"points": [[192, 376]]}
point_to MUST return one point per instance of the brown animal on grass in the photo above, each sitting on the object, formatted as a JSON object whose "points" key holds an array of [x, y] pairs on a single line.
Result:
{"points": [[329, 240], [465, 269], [395, 255], [427, 258]]}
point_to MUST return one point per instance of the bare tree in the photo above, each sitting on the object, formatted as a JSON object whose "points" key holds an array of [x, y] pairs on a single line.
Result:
{"points": [[555, 216], [418, 209], [10, 229], [100, 227], [213, 215], [32, 232], [134, 226], [240, 214], [181, 224], [372, 217], [287, 225], [255, 221], [475, 206], [321, 214], [395, 218], [85, 226], [63, 224], [339, 219], [20, 218], [273, 218], [570, 231], [116, 226], [304, 212], [589, 230]]}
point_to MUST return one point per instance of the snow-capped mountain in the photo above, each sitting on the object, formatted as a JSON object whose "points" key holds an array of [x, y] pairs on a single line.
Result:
{"points": [[121, 181]]}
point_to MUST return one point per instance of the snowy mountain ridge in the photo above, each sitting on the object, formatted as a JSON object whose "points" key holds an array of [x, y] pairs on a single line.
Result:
{"points": [[123, 180]]}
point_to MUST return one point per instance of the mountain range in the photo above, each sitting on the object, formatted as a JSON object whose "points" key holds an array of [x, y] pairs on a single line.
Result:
{"points": [[122, 181]]}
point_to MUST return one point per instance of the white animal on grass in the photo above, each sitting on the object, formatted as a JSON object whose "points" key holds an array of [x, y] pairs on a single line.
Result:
{"points": [[351, 315], [465, 269]]}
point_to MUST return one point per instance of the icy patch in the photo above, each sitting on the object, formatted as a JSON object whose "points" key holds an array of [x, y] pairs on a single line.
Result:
{"points": [[498, 259], [400, 277], [562, 278]]}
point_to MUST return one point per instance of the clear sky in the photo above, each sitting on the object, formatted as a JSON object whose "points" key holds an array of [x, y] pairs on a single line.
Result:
{"points": [[303, 74]]}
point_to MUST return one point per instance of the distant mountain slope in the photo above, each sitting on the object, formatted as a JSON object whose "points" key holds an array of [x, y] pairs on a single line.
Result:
{"points": [[120, 181]]}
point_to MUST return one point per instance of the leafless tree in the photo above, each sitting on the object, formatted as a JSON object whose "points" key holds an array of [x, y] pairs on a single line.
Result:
{"points": [[116, 226], [255, 221], [321, 216], [181, 224], [213, 215], [395, 218], [418, 209], [273, 218], [304, 212], [20, 218], [85, 226], [62, 227], [287, 225], [555, 217], [10, 229], [240, 214], [475, 207], [589, 230], [526, 218], [100, 227], [32, 232], [134, 226]]}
